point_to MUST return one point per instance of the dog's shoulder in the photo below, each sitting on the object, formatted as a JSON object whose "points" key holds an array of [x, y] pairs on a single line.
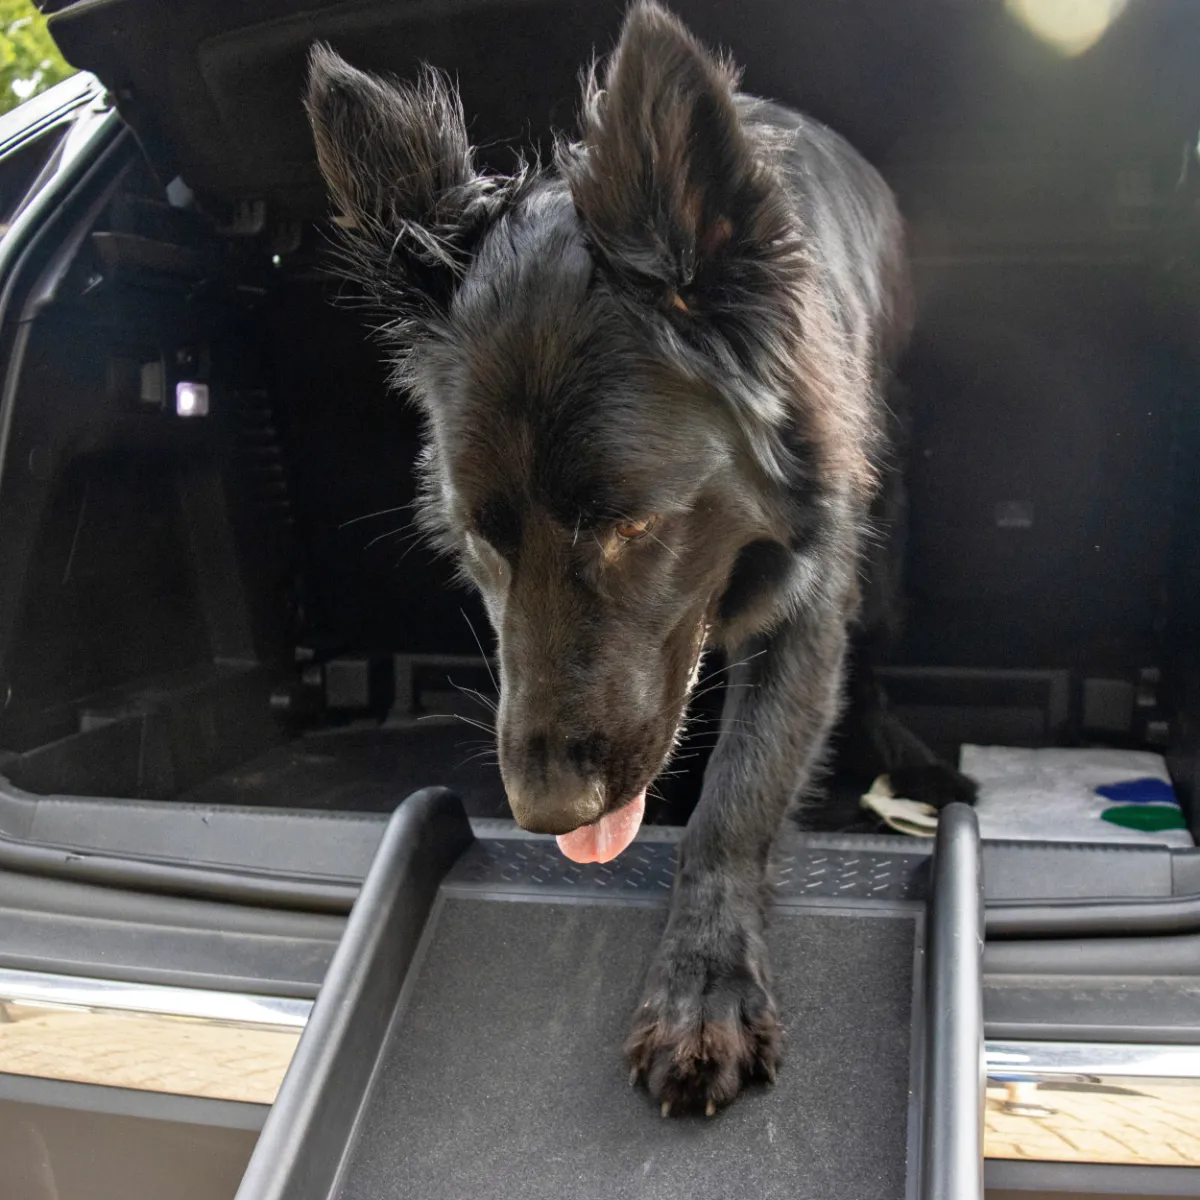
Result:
{"points": [[855, 230]]}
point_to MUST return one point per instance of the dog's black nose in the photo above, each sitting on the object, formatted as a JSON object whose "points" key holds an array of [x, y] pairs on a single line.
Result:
{"points": [[560, 817], [563, 805], [548, 791]]}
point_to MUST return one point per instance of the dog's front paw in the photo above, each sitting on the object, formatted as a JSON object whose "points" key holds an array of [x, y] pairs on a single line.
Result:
{"points": [[705, 1029]]}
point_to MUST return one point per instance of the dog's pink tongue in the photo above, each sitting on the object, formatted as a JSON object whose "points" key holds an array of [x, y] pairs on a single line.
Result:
{"points": [[606, 839]]}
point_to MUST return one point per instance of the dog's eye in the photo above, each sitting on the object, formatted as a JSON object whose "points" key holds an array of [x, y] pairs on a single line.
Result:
{"points": [[630, 531]]}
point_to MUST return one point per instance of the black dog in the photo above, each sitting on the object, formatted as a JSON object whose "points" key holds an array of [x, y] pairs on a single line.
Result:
{"points": [[653, 380]]}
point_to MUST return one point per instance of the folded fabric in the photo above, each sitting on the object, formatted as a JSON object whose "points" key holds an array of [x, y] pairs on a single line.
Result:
{"points": [[1057, 794], [904, 816]]}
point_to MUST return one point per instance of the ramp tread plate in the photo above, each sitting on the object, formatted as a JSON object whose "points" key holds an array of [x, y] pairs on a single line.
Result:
{"points": [[647, 869]]}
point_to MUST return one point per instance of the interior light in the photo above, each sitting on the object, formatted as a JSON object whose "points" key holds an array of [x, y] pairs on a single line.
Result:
{"points": [[1070, 26], [191, 399]]}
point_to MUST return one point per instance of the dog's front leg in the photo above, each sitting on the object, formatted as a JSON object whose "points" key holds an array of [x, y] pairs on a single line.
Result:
{"points": [[708, 1021]]}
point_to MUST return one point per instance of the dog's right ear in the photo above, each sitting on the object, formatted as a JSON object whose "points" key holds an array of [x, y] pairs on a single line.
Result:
{"points": [[666, 178], [399, 167]]}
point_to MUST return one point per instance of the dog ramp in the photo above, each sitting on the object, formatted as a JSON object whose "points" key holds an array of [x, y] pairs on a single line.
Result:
{"points": [[467, 1040]]}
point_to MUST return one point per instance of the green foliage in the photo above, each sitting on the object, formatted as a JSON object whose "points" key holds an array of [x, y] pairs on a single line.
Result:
{"points": [[29, 59]]}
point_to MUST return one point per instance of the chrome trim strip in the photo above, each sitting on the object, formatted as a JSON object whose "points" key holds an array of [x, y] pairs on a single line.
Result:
{"points": [[1119, 1104], [37, 989], [1006, 1059]]}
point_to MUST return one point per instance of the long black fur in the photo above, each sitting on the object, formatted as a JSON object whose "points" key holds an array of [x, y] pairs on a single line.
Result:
{"points": [[653, 379]]}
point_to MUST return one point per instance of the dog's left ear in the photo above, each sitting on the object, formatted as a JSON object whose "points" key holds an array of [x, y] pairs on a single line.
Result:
{"points": [[399, 168], [665, 179]]}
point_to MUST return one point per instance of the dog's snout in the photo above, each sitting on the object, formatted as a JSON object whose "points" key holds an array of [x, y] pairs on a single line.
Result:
{"points": [[550, 788]]}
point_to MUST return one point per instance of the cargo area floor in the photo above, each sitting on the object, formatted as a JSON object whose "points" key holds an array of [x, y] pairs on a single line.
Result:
{"points": [[363, 770]]}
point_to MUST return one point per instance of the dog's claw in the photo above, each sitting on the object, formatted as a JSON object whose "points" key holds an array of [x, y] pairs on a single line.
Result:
{"points": [[633, 1077], [666, 1108], [710, 1109]]}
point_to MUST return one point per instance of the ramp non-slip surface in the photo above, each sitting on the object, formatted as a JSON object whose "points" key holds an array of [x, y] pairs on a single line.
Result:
{"points": [[502, 1076], [467, 1040]]}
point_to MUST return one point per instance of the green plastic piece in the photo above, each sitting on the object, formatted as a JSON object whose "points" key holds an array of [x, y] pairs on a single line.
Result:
{"points": [[1150, 818]]}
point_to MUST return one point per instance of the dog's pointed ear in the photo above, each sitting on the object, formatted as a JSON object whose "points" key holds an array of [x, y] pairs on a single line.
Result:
{"points": [[399, 168], [665, 175]]}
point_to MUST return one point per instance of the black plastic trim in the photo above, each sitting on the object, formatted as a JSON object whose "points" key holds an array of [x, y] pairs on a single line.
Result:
{"points": [[1119, 918], [1082, 1180], [205, 883], [302, 1136], [32, 224], [1115, 956], [129, 1102], [67, 928], [1127, 917], [952, 1149]]}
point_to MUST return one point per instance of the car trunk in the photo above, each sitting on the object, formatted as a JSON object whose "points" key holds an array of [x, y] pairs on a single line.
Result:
{"points": [[234, 608]]}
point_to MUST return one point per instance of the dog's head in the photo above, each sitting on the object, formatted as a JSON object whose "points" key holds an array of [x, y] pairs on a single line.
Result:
{"points": [[609, 357]]}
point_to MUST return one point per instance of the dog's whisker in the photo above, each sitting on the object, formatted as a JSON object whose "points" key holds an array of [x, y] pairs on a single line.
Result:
{"points": [[486, 661], [717, 686], [478, 744], [415, 541], [655, 794], [480, 756], [702, 692], [383, 512], [741, 662], [485, 754], [717, 719], [491, 705], [458, 717], [403, 531], [380, 536], [689, 697], [718, 734]]}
